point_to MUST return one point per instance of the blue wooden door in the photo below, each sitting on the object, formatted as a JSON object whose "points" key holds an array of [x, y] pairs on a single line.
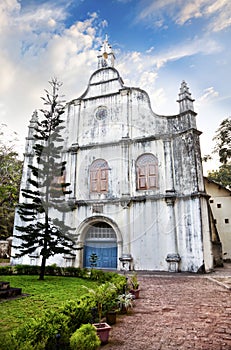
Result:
{"points": [[107, 255]]}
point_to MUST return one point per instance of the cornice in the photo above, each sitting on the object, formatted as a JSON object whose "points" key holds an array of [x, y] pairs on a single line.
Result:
{"points": [[74, 148], [128, 201]]}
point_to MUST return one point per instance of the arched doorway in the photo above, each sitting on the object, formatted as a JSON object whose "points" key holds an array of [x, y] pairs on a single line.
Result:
{"points": [[101, 240]]}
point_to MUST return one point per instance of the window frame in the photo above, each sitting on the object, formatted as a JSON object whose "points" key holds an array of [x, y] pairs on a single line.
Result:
{"points": [[99, 176], [146, 172]]}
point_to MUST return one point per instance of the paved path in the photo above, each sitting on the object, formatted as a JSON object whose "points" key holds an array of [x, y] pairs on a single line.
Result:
{"points": [[177, 312]]}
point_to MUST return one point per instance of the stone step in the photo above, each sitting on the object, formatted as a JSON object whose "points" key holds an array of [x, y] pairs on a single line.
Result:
{"points": [[10, 292], [4, 285]]}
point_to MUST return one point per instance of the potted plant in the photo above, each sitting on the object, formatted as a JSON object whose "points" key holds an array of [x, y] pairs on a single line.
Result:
{"points": [[85, 338], [125, 302], [134, 286], [104, 293], [93, 259], [111, 311]]}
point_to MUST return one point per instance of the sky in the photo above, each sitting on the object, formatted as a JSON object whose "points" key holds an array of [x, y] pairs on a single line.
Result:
{"points": [[157, 44]]}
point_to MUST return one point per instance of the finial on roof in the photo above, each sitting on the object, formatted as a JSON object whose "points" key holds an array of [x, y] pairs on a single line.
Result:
{"points": [[185, 100], [34, 117], [106, 57]]}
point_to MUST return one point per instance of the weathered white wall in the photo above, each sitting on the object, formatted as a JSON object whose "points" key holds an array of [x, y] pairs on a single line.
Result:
{"points": [[148, 224]]}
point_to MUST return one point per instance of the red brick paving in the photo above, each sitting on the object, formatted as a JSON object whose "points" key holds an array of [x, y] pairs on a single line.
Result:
{"points": [[176, 312]]}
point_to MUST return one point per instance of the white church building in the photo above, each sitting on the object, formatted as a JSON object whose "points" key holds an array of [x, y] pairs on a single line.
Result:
{"points": [[138, 198]]}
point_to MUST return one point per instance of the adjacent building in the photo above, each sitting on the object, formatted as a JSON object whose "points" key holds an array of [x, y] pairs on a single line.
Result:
{"points": [[220, 203]]}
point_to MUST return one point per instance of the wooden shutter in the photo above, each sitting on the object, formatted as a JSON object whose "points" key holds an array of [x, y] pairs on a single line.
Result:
{"points": [[99, 176], [94, 180], [103, 180], [146, 172], [142, 177], [151, 173]]}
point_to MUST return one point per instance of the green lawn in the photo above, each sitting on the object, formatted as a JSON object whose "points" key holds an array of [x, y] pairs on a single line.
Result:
{"points": [[43, 295]]}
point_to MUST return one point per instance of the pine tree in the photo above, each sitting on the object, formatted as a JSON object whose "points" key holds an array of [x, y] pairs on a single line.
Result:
{"points": [[46, 187]]}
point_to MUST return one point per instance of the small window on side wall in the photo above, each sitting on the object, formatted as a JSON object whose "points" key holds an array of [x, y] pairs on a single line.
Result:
{"points": [[147, 172], [99, 176]]}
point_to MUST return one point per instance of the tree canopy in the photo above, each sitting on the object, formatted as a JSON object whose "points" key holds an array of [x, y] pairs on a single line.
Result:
{"points": [[222, 176], [10, 178], [223, 141], [223, 149]]}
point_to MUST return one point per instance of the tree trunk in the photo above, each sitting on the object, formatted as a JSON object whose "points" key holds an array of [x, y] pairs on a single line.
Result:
{"points": [[42, 269]]}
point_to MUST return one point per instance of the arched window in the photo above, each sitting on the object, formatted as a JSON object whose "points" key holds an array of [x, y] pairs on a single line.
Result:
{"points": [[57, 187], [147, 172], [99, 176]]}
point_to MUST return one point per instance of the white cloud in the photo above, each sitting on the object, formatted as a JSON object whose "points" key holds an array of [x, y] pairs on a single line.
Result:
{"points": [[143, 70], [202, 45], [8, 9], [208, 94], [104, 23], [221, 11], [154, 8], [217, 12], [138, 61], [151, 49], [190, 10], [35, 46]]}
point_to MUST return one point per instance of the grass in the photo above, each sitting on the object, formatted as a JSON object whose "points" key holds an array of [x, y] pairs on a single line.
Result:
{"points": [[43, 295]]}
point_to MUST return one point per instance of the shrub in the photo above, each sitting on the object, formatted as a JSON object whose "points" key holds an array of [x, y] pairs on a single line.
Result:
{"points": [[8, 342], [98, 275], [120, 281], [73, 272], [44, 330], [54, 270], [78, 312], [25, 269], [85, 338], [6, 270]]}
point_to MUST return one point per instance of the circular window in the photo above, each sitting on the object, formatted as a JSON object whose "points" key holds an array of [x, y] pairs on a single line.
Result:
{"points": [[101, 113]]}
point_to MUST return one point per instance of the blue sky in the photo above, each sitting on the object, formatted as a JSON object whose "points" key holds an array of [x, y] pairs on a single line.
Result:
{"points": [[157, 43]]}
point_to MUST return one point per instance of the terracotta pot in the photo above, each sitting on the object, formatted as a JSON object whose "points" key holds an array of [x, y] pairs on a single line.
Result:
{"points": [[103, 330], [111, 317], [135, 292], [123, 309]]}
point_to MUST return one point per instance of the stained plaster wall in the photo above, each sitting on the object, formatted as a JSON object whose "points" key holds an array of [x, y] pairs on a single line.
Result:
{"points": [[148, 224], [130, 130]]}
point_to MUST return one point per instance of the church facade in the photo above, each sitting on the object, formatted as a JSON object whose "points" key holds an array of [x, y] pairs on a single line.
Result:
{"points": [[138, 199]]}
